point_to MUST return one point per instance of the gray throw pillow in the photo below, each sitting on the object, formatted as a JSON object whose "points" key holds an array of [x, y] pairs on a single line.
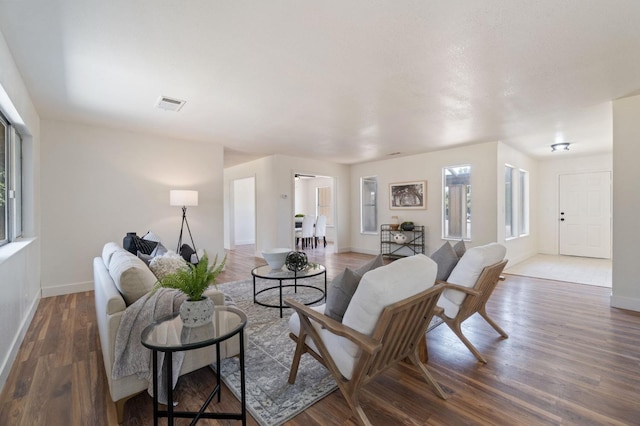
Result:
{"points": [[340, 293], [459, 248], [374, 263], [446, 259]]}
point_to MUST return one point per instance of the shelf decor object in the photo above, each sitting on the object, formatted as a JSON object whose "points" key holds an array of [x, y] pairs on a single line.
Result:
{"points": [[394, 244], [408, 195]]}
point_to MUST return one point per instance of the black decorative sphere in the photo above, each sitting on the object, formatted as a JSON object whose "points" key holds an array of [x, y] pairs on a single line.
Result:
{"points": [[296, 261]]}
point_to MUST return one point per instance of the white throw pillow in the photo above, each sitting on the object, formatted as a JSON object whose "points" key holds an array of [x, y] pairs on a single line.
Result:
{"points": [[166, 264], [131, 276], [470, 267]]}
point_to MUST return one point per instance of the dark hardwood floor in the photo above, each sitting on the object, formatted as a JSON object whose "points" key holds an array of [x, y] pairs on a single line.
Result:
{"points": [[570, 359]]}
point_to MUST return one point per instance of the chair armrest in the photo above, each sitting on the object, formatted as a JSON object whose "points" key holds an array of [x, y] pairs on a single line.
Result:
{"points": [[463, 289], [365, 342]]}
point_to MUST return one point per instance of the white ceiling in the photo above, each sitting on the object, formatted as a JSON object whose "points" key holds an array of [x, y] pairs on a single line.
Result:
{"points": [[343, 80]]}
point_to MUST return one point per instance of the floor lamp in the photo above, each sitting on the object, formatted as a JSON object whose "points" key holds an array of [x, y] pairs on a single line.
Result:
{"points": [[184, 198]]}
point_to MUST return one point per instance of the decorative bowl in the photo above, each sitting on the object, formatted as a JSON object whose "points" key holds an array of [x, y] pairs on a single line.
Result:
{"points": [[400, 238], [276, 257]]}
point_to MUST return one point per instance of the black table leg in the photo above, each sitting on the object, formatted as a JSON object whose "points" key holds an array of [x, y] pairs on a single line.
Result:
{"points": [[155, 387], [168, 359], [243, 399]]}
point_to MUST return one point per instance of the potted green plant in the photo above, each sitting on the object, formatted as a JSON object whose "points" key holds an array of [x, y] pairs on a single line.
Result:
{"points": [[193, 281]]}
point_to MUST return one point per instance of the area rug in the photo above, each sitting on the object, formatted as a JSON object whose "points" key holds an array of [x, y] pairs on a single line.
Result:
{"points": [[271, 400]]}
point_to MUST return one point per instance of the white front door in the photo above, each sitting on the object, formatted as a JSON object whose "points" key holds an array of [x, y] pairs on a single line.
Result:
{"points": [[585, 214]]}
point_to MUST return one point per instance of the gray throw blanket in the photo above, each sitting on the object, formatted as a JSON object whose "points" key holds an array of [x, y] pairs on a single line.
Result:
{"points": [[131, 357]]}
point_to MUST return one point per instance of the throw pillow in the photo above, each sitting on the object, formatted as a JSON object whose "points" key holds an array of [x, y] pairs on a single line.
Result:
{"points": [[459, 248], [144, 246], [446, 259], [166, 264], [150, 236], [159, 250], [130, 275], [342, 288], [186, 252], [146, 258], [374, 263]]}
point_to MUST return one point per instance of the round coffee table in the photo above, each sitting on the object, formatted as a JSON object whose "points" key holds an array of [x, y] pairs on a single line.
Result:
{"points": [[280, 275]]}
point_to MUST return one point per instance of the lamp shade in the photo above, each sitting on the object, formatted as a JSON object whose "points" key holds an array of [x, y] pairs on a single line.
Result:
{"points": [[179, 197]]}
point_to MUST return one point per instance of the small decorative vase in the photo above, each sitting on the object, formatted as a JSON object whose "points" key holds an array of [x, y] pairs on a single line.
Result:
{"points": [[195, 313], [399, 238], [296, 261], [394, 224]]}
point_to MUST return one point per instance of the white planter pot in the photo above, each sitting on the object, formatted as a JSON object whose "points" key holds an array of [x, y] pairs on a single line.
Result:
{"points": [[196, 313]]}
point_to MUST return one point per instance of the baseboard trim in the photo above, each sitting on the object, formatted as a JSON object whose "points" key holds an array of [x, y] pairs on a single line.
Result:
{"points": [[17, 342], [59, 290], [625, 303]]}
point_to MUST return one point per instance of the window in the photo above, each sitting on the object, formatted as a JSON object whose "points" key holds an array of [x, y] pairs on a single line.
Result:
{"points": [[369, 205], [10, 182], [523, 204], [516, 202], [456, 203], [323, 204], [509, 202]]}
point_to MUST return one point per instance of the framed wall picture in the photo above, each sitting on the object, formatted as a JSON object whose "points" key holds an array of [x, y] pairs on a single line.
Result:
{"points": [[408, 195]]}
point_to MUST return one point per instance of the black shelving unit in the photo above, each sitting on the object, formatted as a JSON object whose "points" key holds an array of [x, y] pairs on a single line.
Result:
{"points": [[413, 245]]}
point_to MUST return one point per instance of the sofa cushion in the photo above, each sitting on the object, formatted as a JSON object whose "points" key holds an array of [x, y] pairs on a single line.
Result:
{"points": [[107, 252], [131, 276], [446, 259], [468, 270], [386, 285]]}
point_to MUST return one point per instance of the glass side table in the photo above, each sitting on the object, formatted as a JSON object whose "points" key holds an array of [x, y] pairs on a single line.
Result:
{"points": [[168, 335]]}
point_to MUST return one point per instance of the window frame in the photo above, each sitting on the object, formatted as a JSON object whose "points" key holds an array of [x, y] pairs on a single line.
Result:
{"points": [[523, 203], [465, 205], [371, 206], [511, 211], [12, 182]]}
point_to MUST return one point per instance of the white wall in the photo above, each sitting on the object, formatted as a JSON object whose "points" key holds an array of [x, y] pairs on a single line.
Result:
{"points": [[101, 183], [275, 189], [481, 157], [20, 261], [244, 207], [626, 203], [520, 248], [548, 182]]}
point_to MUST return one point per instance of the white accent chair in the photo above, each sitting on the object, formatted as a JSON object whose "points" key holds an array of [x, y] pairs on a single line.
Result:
{"points": [[320, 231], [385, 320], [469, 287], [305, 235]]}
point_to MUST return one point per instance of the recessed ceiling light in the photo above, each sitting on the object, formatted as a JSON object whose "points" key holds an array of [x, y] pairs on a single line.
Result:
{"points": [[563, 146], [169, 104]]}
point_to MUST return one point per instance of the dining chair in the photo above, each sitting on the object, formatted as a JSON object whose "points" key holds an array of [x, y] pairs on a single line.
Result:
{"points": [[320, 230], [305, 235]]}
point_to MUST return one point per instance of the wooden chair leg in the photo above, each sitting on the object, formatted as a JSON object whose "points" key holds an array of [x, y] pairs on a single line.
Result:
{"points": [[455, 327], [423, 352], [492, 323], [293, 372], [427, 376]]}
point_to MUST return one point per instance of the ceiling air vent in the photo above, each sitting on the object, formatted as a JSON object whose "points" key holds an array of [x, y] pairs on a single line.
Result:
{"points": [[169, 104]]}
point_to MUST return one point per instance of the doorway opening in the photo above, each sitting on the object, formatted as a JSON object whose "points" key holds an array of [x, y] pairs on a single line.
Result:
{"points": [[314, 196]]}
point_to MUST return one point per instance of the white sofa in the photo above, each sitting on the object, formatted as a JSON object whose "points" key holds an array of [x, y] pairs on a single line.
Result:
{"points": [[133, 274]]}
